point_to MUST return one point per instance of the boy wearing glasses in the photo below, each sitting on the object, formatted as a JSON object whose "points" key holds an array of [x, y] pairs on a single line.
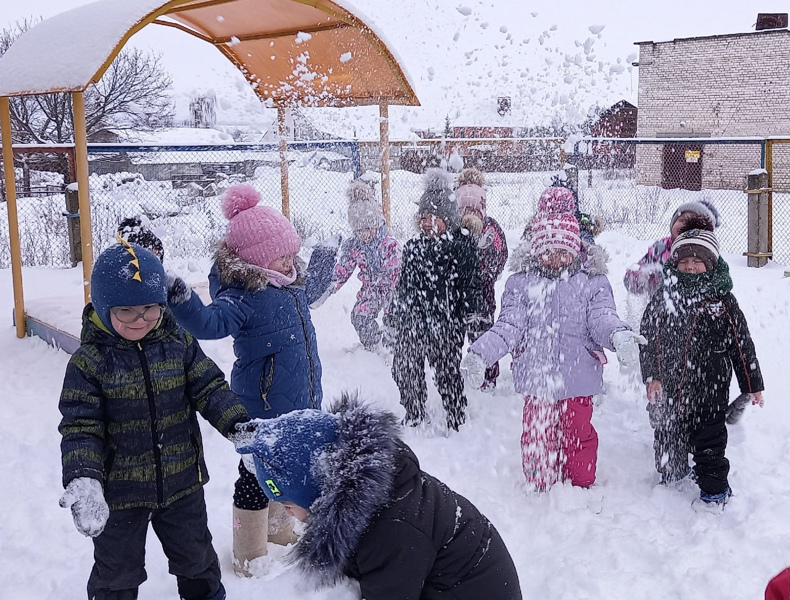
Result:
{"points": [[131, 448]]}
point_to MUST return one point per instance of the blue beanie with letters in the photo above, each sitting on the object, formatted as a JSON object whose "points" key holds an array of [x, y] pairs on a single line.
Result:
{"points": [[287, 452], [126, 275]]}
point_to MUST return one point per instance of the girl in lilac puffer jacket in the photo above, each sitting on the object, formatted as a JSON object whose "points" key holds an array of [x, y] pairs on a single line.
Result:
{"points": [[557, 316]]}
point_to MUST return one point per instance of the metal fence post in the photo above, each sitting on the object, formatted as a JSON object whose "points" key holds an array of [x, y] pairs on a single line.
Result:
{"points": [[384, 137], [283, 133], [758, 219]]}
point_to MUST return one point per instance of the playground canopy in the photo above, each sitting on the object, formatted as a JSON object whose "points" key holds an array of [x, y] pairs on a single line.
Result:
{"points": [[293, 52]]}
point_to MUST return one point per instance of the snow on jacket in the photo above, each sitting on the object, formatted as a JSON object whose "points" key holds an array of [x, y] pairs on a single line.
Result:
{"points": [[440, 284], [697, 336], [403, 534], [555, 329], [493, 258], [277, 368], [120, 397], [645, 277], [378, 284]]}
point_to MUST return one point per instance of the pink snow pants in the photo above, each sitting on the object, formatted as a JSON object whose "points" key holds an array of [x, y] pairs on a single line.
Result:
{"points": [[558, 442]]}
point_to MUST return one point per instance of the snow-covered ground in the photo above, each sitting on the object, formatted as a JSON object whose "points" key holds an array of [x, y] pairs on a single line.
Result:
{"points": [[626, 537]]}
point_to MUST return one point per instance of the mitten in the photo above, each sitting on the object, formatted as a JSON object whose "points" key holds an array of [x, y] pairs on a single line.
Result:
{"points": [[737, 407], [626, 345], [88, 508], [473, 368], [178, 292]]}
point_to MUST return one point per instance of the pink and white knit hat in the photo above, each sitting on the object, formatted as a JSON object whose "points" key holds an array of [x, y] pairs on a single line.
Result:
{"points": [[557, 200], [552, 231], [257, 234]]}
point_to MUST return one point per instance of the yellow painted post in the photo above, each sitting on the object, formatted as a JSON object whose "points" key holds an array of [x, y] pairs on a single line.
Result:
{"points": [[384, 136], [83, 189], [769, 166], [283, 133], [13, 217]]}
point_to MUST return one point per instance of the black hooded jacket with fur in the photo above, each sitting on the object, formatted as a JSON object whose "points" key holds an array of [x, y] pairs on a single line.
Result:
{"points": [[399, 531]]}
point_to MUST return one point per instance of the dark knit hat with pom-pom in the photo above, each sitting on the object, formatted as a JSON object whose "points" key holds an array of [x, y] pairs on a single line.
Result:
{"points": [[133, 231], [364, 211], [438, 198], [703, 207]]}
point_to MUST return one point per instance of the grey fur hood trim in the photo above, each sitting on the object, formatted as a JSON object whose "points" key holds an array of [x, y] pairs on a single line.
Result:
{"points": [[235, 272], [358, 473], [594, 258]]}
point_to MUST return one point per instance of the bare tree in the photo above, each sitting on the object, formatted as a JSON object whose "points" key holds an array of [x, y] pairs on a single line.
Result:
{"points": [[133, 93]]}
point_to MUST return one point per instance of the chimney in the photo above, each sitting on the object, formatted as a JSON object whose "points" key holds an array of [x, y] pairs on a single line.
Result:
{"points": [[771, 21]]}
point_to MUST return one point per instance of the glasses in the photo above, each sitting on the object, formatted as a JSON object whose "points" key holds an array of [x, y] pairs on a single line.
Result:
{"points": [[129, 314]]}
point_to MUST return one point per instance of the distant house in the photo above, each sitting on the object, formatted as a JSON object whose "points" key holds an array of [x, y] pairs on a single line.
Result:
{"points": [[104, 136], [617, 121], [707, 87]]}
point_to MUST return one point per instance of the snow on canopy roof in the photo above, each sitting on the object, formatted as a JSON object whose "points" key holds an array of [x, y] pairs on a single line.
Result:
{"points": [[63, 53], [319, 53]]}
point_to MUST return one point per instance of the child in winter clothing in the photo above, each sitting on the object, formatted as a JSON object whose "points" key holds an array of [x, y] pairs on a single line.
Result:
{"points": [[697, 335], [378, 257], [557, 315], [133, 231], [261, 298], [131, 448], [645, 276], [491, 247], [438, 295], [371, 513]]}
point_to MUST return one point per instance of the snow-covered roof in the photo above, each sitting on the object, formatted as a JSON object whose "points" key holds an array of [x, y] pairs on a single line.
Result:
{"points": [[319, 53], [63, 53]]}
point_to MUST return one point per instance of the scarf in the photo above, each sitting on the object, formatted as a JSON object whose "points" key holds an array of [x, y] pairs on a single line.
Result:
{"points": [[701, 286], [278, 279]]}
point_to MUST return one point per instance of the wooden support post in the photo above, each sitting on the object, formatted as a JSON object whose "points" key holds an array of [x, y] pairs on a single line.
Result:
{"points": [[758, 219], [83, 189], [73, 208], [384, 136], [283, 133], [13, 217]]}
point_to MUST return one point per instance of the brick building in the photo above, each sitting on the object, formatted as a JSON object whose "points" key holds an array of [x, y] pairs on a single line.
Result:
{"points": [[711, 87]]}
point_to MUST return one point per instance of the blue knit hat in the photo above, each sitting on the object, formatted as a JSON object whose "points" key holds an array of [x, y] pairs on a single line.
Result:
{"points": [[126, 275], [287, 453]]}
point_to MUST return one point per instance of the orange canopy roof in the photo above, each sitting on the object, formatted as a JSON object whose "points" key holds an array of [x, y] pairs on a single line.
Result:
{"points": [[293, 52]]}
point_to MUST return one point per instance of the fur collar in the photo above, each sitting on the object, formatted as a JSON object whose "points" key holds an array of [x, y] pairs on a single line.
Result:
{"points": [[594, 259], [358, 473], [233, 271]]}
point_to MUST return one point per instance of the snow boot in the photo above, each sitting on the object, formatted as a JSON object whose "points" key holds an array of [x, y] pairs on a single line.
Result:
{"points": [[281, 525], [712, 503], [250, 528]]}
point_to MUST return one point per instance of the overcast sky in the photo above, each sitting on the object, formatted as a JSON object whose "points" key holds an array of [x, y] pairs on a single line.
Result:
{"points": [[497, 50]]}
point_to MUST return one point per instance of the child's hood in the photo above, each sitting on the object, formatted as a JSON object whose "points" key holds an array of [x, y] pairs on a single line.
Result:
{"points": [[595, 258], [234, 271]]}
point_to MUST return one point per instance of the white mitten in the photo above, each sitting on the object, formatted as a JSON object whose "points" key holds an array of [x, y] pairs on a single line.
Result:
{"points": [[473, 368], [626, 345], [88, 508]]}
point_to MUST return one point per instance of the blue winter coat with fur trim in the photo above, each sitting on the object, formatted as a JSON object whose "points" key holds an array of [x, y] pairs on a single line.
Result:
{"points": [[277, 368], [401, 532]]}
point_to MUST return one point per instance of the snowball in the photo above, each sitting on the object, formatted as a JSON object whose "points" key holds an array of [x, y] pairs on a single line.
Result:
{"points": [[345, 57], [303, 36], [596, 29], [464, 10]]}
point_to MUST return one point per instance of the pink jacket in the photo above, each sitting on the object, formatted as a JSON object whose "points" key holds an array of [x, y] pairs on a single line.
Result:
{"points": [[645, 276], [377, 285]]}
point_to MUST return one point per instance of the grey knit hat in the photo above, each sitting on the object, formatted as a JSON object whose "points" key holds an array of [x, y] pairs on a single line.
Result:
{"points": [[363, 210], [439, 199], [703, 206]]}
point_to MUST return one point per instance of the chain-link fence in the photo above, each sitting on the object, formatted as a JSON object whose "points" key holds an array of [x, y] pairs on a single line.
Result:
{"points": [[632, 185]]}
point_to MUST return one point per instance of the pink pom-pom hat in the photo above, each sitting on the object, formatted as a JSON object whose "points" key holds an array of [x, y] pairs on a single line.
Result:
{"points": [[557, 200], [556, 231], [257, 234], [471, 196]]}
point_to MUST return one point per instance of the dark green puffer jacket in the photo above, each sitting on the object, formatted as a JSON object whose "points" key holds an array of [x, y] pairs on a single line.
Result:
{"points": [[129, 413]]}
